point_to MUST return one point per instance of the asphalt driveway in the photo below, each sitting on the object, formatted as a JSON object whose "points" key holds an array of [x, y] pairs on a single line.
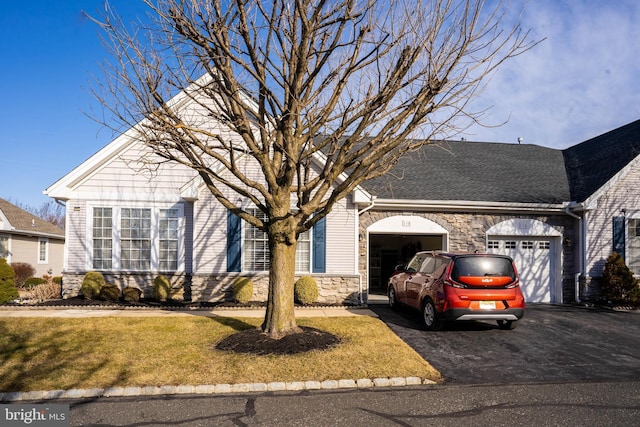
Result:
{"points": [[552, 343]]}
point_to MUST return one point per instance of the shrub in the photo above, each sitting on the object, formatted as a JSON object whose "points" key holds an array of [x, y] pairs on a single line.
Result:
{"points": [[22, 271], [57, 280], [306, 290], [131, 294], [32, 282], [110, 292], [618, 283], [242, 289], [91, 284], [46, 291], [8, 290], [161, 289]]}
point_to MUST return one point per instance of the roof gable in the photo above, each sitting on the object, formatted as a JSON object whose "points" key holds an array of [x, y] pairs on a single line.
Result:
{"points": [[593, 163]]}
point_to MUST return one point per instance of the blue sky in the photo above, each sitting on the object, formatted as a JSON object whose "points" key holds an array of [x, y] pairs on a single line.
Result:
{"points": [[582, 81]]}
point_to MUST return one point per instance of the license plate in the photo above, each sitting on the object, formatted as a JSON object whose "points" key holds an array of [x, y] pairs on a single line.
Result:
{"points": [[487, 305]]}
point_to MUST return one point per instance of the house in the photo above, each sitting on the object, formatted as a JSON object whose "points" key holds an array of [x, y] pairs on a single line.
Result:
{"points": [[26, 238], [558, 213]]}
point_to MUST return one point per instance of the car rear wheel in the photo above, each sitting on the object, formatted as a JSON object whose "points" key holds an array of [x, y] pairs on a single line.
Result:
{"points": [[393, 303], [507, 324], [430, 318]]}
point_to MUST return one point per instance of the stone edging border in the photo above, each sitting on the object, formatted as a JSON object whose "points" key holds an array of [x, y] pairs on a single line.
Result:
{"points": [[213, 389]]}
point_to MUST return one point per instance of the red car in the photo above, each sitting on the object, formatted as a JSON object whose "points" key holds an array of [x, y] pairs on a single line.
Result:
{"points": [[459, 286]]}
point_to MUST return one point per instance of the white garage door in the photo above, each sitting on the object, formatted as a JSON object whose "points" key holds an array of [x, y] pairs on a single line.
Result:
{"points": [[533, 261]]}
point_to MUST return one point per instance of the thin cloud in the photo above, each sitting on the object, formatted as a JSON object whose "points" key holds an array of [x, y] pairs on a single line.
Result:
{"points": [[583, 80]]}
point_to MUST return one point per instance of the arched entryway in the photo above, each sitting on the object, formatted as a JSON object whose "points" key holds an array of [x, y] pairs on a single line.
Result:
{"points": [[394, 240]]}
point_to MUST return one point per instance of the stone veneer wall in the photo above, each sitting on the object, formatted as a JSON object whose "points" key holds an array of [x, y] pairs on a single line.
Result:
{"points": [[467, 232], [331, 289]]}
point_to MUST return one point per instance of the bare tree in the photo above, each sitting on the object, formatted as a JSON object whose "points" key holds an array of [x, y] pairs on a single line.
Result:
{"points": [[349, 85]]}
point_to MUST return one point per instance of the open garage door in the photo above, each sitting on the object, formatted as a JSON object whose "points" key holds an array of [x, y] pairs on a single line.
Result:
{"points": [[394, 240], [533, 247]]}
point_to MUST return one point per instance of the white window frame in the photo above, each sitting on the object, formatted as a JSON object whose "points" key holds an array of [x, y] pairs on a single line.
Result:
{"points": [[41, 241], [155, 235], [7, 239], [632, 260], [245, 259]]}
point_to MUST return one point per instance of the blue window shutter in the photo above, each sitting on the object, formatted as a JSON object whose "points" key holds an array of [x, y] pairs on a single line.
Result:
{"points": [[234, 243], [319, 247], [618, 235]]}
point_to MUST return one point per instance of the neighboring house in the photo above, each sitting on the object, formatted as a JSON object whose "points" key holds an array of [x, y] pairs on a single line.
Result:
{"points": [[26, 238], [554, 211]]}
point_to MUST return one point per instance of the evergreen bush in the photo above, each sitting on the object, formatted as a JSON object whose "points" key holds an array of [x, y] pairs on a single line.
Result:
{"points": [[618, 283], [242, 289], [109, 292], [92, 282], [161, 289], [34, 281], [8, 290], [306, 290], [131, 294]]}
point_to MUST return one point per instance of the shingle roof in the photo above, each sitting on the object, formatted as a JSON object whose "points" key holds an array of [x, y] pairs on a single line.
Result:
{"points": [[594, 162], [23, 222], [474, 171]]}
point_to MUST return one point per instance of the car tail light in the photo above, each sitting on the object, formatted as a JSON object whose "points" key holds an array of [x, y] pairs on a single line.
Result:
{"points": [[515, 284], [454, 284]]}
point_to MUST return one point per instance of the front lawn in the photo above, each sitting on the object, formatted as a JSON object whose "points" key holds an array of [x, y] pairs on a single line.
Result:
{"points": [[60, 354]]}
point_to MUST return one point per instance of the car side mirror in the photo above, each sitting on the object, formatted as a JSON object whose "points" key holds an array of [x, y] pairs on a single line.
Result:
{"points": [[399, 267]]}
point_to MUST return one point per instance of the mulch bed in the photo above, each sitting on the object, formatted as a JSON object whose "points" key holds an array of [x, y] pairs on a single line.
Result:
{"points": [[254, 341], [81, 302]]}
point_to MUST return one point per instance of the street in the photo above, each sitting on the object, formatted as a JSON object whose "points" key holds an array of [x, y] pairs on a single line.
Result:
{"points": [[561, 404], [563, 366]]}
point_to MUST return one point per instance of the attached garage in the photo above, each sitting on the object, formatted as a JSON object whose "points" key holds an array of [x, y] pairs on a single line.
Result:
{"points": [[394, 240], [534, 247]]}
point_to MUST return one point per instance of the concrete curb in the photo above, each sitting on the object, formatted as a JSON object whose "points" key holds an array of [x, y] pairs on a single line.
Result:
{"points": [[212, 389]]}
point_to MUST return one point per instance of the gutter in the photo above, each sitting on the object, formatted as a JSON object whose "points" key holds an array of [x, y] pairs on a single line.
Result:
{"points": [[581, 254], [476, 206], [372, 202]]}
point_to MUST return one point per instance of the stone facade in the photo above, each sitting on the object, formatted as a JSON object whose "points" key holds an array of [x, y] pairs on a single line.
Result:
{"points": [[332, 289], [468, 232]]}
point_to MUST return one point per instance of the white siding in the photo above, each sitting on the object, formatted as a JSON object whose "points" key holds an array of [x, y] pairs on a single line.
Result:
{"points": [[127, 177], [625, 194], [342, 239], [76, 250], [209, 235]]}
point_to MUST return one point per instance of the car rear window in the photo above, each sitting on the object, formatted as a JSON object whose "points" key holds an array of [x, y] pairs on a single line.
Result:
{"points": [[483, 271]]}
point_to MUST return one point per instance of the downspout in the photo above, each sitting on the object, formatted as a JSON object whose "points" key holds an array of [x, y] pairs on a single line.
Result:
{"points": [[360, 287], [581, 251]]}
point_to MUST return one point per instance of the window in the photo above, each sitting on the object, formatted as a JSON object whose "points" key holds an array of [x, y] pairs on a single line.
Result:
{"points": [[527, 245], [102, 238], [493, 244], [43, 250], [4, 247], [255, 253], [169, 225], [632, 256], [545, 245], [135, 239], [510, 244]]}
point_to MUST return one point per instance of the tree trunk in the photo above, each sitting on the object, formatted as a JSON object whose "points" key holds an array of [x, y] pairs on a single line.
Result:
{"points": [[280, 318]]}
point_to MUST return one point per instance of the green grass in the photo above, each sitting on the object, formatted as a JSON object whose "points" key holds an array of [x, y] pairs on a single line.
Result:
{"points": [[55, 354]]}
